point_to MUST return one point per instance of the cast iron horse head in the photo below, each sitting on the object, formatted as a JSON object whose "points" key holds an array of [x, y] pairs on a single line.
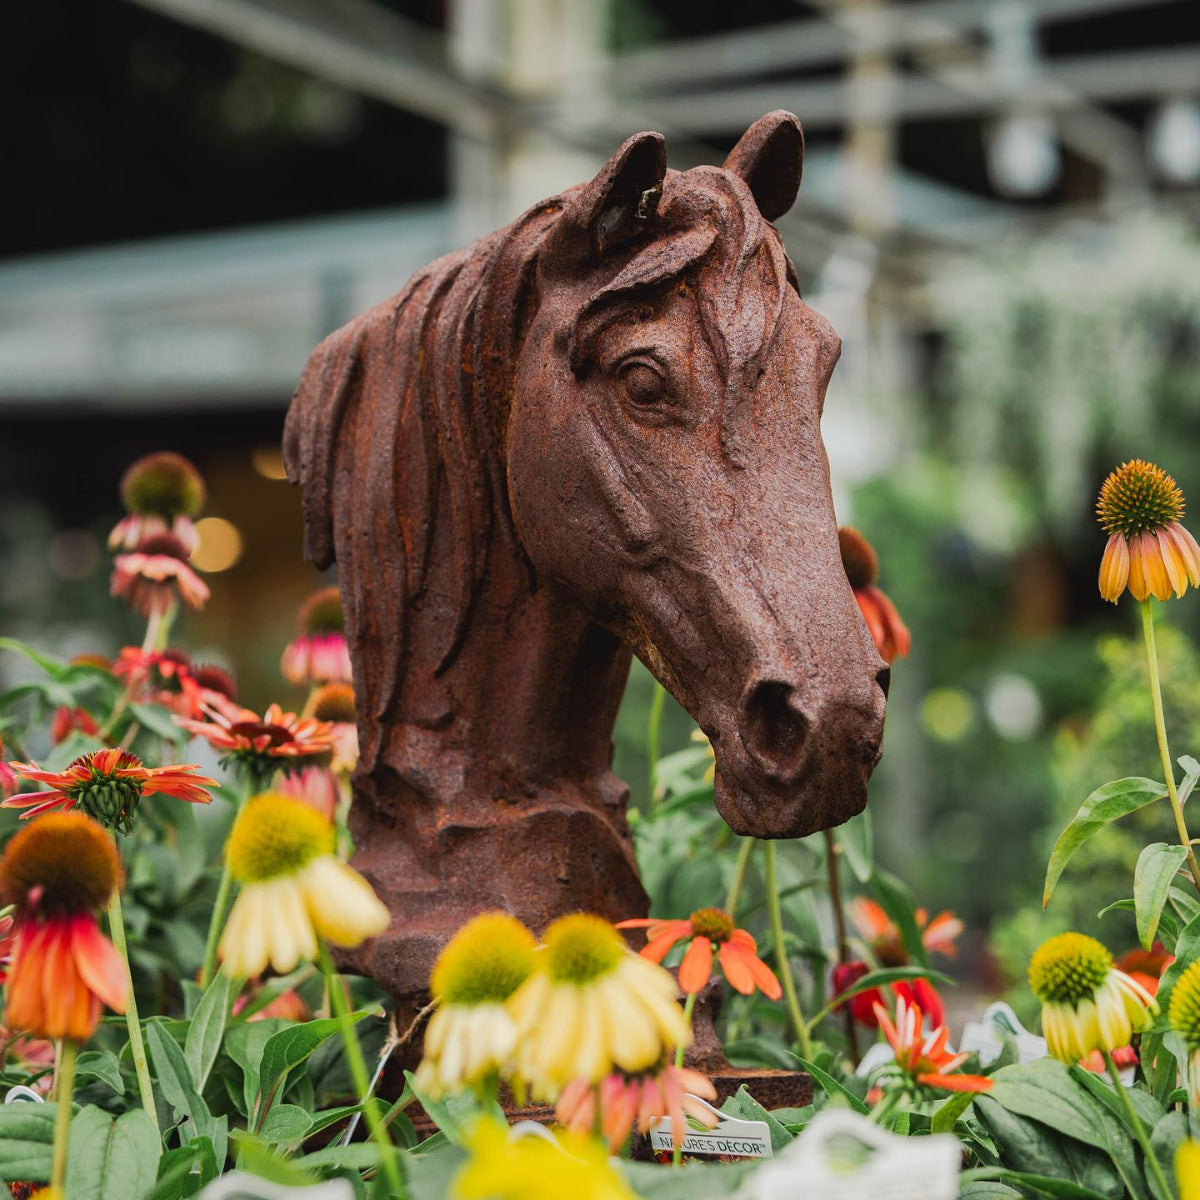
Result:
{"points": [[596, 430]]}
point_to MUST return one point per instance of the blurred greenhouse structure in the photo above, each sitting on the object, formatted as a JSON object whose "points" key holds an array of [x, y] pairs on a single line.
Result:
{"points": [[999, 214]]}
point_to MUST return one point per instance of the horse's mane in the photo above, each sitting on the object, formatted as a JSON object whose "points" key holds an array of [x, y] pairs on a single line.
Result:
{"points": [[396, 431]]}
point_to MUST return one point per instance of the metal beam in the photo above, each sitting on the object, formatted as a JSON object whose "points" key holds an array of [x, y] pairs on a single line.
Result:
{"points": [[814, 42], [958, 91], [356, 44]]}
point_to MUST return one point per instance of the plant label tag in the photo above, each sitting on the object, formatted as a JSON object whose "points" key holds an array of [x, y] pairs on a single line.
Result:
{"points": [[986, 1037], [844, 1156], [238, 1185], [731, 1137]]}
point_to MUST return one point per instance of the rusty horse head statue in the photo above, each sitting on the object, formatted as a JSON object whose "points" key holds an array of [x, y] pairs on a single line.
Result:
{"points": [[593, 432]]}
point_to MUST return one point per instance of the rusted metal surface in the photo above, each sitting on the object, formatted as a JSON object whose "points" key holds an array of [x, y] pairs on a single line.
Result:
{"points": [[594, 432]]}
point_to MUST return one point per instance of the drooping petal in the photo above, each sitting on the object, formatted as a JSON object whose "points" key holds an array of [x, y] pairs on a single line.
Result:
{"points": [[696, 967], [99, 964], [1173, 563]]}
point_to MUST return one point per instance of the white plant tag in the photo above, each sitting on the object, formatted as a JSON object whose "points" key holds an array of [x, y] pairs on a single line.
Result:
{"points": [[238, 1185], [986, 1037], [877, 1056], [731, 1137], [844, 1156], [21, 1094]]}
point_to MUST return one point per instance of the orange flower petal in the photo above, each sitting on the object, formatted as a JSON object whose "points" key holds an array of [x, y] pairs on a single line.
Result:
{"points": [[696, 967], [1189, 551], [957, 1083], [98, 963], [1172, 561], [656, 950], [1138, 587]]}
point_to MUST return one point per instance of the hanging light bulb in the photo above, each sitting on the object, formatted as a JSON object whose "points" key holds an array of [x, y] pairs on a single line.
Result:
{"points": [[1173, 141], [1023, 156]]}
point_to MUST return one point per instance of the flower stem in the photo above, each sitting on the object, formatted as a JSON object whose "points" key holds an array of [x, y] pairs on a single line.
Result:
{"points": [[1139, 1130], [832, 856], [62, 1119], [886, 1106], [358, 1072], [739, 876], [116, 925], [1164, 752], [781, 958], [654, 739], [689, 1006], [216, 924]]}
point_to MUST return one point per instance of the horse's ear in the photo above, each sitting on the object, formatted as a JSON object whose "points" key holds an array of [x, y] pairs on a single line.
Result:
{"points": [[770, 158], [623, 198]]}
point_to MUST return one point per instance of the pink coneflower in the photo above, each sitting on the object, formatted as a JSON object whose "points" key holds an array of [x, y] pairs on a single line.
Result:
{"points": [[626, 1101], [162, 493], [334, 702], [319, 653], [888, 631], [151, 576], [317, 786]]}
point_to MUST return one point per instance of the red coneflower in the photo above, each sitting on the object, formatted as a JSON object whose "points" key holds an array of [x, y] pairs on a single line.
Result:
{"points": [[923, 1060], [67, 720], [319, 653], [736, 949], [151, 576], [162, 493], [160, 677], [1149, 552], [257, 746], [108, 785], [8, 777], [861, 564], [58, 872]]}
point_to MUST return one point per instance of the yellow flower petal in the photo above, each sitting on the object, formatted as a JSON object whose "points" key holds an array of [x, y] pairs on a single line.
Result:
{"points": [[342, 905]]}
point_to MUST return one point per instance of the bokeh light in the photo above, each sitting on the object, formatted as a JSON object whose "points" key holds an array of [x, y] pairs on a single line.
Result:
{"points": [[219, 546]]}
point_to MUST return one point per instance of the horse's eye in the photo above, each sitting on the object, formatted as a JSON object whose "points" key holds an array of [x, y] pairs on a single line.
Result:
{"points": [[643, 384]]}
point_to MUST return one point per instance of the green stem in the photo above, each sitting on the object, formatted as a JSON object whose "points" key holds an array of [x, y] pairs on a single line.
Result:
{"points": [[116, 925], [64, 1090], [781, 958], [216, 924], [886, 1106], [1139, 1130], [1164, 752], [358, 1072], [832, 855], [689, 1006], [739, 876], [654, 738]]}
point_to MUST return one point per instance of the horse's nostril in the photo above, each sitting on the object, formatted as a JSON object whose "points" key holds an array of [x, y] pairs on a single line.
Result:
{"points": [[773, 728], [883, 677]]}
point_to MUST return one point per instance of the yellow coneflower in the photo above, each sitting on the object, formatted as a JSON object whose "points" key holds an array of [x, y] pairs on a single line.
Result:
{"points": [[592, 1006], [1148, 552], [503, 1167], [1187, 1170], [294, 890], [471, 1036], [1087, 1004]]}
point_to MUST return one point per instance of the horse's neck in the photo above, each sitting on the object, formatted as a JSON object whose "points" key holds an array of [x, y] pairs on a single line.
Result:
{"points": [[526, 706]]}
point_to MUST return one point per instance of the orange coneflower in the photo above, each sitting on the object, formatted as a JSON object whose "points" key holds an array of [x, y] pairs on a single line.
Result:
{"points": [[57, 872], [736, 949], [258, 746], [624, 1102], [162, 493], [151, 576], [319, 653], [108, 784], [67, 720], [861, 564], [159, 677], [925, 1060], [1149, 552]]}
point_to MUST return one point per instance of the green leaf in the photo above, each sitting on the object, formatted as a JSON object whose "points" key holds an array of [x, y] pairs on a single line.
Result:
{"points": [[986, 1189], [358, 1156], [287, 1124], [261, 1159], [207, 1029], [1157, 866], [26, 1135], [175, 1172], [898, 902], [857, 844], [1045, 1091], [244, 1043], [1191, 773], [331, 1116], [179, 1089], [1042, 1185], [1164, 1141], [52, 666], [158, 721], [102, 1065], [73, 746], [946, 1117], [447, 1114], [287, 1049], [1106, 804], [831, 1087], [111, 1160], [745, 1107]]}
